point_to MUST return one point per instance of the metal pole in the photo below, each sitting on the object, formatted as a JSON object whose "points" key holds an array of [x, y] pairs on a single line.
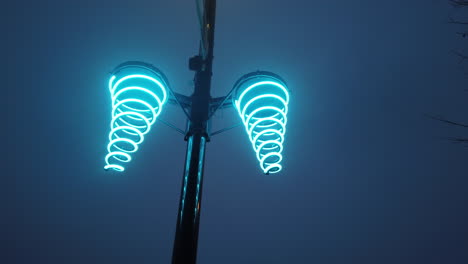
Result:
{"points": [[188, 220]]}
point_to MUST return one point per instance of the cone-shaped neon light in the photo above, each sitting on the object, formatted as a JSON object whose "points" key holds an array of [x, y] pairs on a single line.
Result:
{"points": [[138, 92], [261, 99]]}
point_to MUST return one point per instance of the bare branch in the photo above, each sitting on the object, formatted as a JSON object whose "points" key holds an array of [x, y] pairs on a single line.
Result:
{"points": [[463, 34], [462, 57], [446, 121], [455, 140], [453, 21], [459, 140], [459, 3]]}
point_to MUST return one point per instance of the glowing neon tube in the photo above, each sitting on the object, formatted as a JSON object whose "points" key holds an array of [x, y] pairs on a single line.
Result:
{"points": [[138, 92], [261, 99]]}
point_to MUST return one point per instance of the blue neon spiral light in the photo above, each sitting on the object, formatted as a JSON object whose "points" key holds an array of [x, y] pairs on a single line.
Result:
{"points": [[138, 95], [262, 102]]}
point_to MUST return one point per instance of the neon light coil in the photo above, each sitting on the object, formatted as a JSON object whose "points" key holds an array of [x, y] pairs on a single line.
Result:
{"points": [[261, 99], [138, 92]]}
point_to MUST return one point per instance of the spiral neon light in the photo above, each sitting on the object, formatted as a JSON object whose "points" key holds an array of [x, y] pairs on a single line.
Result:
{"points": [[262, 103], [138, 94]]}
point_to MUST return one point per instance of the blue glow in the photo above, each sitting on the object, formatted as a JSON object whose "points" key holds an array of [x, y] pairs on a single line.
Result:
{"points": [[262, 103], [186, 174], [137, 101], [201, 157]]}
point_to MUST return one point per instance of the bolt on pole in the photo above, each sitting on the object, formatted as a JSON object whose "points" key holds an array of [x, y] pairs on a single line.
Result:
{"points": [[188, 220]]}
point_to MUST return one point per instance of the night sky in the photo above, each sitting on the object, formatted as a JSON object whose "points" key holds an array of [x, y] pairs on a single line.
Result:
{"points": [[367, 178]]}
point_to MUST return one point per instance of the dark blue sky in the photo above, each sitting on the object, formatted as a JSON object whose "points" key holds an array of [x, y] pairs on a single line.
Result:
{"points": [[366, 178]]}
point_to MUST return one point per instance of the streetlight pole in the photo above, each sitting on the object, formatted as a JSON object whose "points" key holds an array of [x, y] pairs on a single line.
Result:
{"points": [[138, 92], [188, 220]]}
